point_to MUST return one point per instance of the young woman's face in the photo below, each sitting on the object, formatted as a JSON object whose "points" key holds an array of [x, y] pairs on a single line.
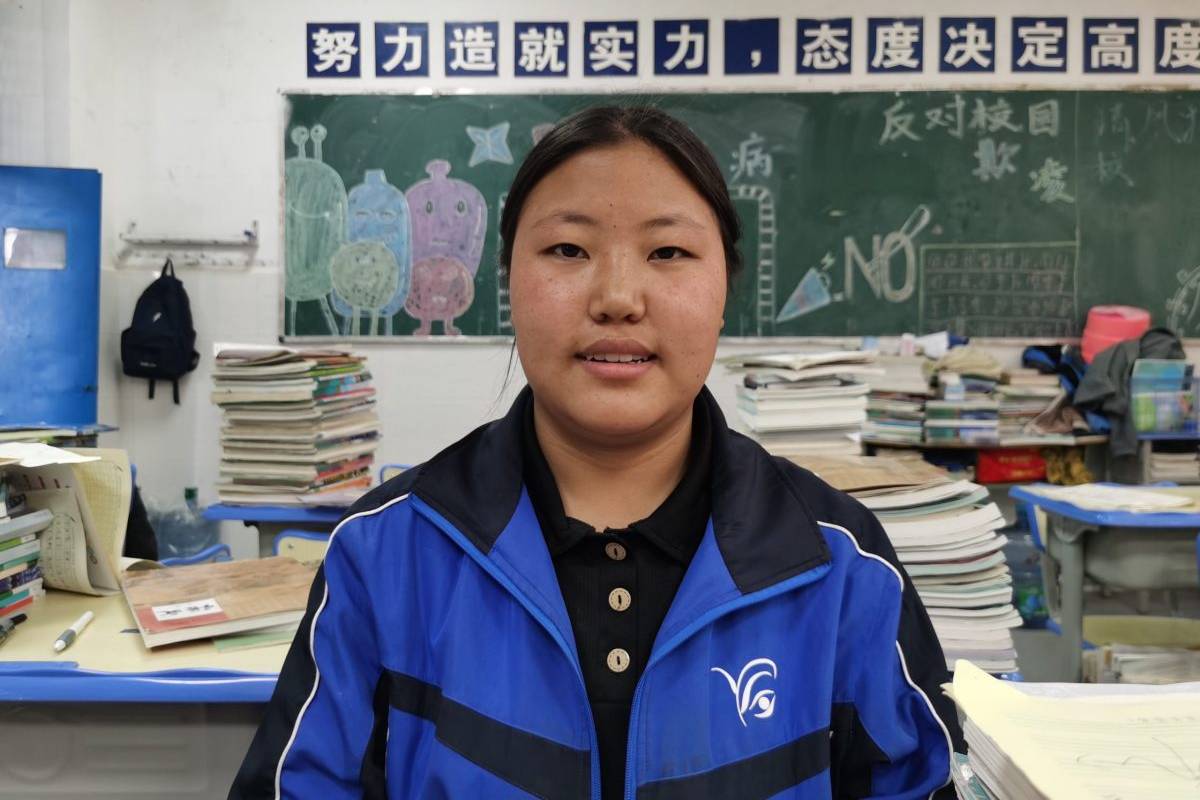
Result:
{"points": [[617, 287]]}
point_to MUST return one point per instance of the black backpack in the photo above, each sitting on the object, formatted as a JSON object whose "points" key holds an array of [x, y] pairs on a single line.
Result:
{"points": [[160, 343]]}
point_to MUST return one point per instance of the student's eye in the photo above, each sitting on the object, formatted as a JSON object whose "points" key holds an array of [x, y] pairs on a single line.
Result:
{"points": [[567, 250], [669, 254]]}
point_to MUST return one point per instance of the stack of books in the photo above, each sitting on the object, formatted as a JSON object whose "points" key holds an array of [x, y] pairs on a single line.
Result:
{"points": [[895, 417], [1021, 404], [945, 534], [1175, 462], [300, 426], [803, 403], [20, 552], [967, 422]]}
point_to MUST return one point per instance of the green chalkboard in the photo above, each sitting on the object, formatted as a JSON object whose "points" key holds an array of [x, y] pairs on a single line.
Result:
{"points": [[988, 213]]}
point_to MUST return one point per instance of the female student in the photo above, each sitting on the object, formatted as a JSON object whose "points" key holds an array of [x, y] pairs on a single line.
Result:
{"points": [[608, 593]]}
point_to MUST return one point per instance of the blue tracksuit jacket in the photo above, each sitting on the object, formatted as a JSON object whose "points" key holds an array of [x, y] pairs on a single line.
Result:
{"points": [[436, 659]]}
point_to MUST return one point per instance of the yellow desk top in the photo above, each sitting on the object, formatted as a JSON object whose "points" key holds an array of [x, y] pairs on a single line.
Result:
{"points": [[109, 653]]}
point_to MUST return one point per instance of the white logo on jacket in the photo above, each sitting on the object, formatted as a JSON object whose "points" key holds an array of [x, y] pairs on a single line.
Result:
{"points": [[749, 698]]}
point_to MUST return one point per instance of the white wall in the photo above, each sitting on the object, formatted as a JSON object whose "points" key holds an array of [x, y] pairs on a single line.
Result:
{"points": [[179, 105]]}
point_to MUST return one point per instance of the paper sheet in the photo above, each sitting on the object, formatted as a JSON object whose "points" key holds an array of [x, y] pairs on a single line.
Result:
{"points": [[108, 486], [1146, 748], [64, 550], [35, 454]]}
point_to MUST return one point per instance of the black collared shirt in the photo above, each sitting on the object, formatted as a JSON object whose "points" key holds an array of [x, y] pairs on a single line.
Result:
{"points": [[618, 584]]}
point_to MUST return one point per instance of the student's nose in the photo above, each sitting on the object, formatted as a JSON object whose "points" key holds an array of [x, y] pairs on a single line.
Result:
{"points": [[617, 293]]}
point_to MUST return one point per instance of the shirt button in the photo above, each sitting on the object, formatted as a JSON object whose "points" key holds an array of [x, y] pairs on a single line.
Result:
{"points": [[619, 599], [618, 660], [615, 551]]}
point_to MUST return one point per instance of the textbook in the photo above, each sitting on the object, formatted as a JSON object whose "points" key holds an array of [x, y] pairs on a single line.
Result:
{"points": [[180, 604]]}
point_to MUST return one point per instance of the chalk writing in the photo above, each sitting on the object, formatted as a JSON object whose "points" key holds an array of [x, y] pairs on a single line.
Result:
{"points": [[898, 123], [994, 160], [999, 289], [1183, 308], [951, 116], [878, 269], [994, 117], [1050, 180], [1043, 118], [751, 159]]}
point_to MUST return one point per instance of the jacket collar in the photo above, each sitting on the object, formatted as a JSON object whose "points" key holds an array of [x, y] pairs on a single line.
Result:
{"points": [[762, 531]]}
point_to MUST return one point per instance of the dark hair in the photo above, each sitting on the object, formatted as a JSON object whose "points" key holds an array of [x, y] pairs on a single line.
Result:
{"points": [[603, 126]]}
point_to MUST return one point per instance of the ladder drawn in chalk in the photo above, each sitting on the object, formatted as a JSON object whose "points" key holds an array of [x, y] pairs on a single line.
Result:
{"points": [[764, 273]]}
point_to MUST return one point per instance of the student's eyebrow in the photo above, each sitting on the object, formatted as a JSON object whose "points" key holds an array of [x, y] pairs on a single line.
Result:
{"points": [[671, 220], [569, 217]]}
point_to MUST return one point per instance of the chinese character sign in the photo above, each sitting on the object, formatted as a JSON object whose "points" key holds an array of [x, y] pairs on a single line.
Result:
{"points": [[333, 50], [610, 48], [541, 50], [968, 44], [895, 44], [681, 47], [401, 49], [751, 46], [471, 48], [1177, 46], [1039, 44], [1110, 45], [823, 45]]}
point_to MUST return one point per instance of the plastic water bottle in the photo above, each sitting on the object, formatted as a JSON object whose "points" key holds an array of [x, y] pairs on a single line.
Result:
{"points": [[183, 531], [1029, 595]]}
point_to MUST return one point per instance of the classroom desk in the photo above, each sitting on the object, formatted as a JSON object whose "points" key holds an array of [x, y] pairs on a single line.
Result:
{"points": [[107, 717], [270, 520], [1116, 548]]}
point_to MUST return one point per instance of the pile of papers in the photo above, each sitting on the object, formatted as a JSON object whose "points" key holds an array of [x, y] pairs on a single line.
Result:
{"points": [[944, 532], [299, 425], [804, 403], [1072, 742]]}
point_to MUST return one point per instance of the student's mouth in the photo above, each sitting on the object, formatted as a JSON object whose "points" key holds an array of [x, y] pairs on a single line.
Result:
{"points": [[616, 359]]}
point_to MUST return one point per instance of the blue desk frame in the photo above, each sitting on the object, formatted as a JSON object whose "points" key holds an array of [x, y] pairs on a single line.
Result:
{"points": [[63, 681], [252, 515], [1069, 526]]}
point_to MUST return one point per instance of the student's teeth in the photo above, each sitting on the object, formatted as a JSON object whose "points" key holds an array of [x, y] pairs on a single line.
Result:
{"points": [[625, 359]]}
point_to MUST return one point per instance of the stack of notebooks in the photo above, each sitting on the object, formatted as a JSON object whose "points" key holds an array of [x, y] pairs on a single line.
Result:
{"points": [[1074, 741], [299, 425], [974, 422], [945, 534], [804, 403], [20, 552], [895, 417], [1019, 405]]}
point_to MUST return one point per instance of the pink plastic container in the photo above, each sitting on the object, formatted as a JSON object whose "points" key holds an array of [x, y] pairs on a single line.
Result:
{"points": [[1107, 325]]}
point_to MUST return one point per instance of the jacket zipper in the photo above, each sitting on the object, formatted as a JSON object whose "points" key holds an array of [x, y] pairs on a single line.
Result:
{"points": [[489, 567], [684, 633]]}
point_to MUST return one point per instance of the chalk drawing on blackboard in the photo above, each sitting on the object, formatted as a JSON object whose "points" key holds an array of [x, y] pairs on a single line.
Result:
{"points": [[810, 294], [449, 222], [538, 132], [999, 289], [314, 226], [365, 278], [1183, 308], [897, 123], [878, 268], [378, 213], [764, 268], [491, 144], [1050, 181]]}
